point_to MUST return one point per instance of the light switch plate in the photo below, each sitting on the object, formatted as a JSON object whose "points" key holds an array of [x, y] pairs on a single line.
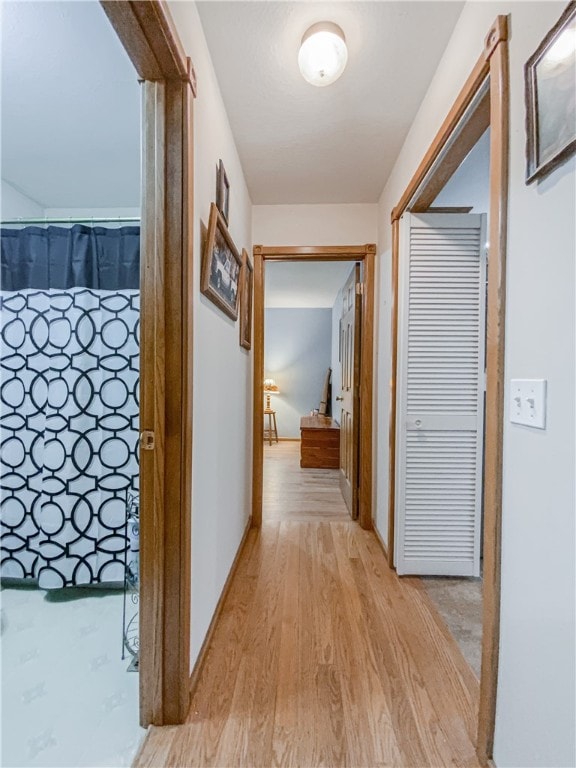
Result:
{"points": [[528, 402]]}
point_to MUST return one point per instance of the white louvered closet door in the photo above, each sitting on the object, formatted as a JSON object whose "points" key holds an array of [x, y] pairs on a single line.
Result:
{"points": [[440, 385]]}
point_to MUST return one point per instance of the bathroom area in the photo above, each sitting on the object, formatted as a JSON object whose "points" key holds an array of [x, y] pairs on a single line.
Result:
{"points": [[69, 391]]}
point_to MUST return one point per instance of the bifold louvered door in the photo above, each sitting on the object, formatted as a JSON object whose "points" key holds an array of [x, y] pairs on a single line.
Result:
{"points": [[440, 385]]}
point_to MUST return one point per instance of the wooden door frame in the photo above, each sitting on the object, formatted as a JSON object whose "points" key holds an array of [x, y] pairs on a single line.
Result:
{"points": [[148, 34], [366, 255], [444, 155]]}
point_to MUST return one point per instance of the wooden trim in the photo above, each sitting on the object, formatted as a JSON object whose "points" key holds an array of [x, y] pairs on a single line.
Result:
{"points": [[393, 378], [449, 209], [147, 32], [289, 439], [365, 254], [177, 405], [493, 63], [498, 33], [495, 388], [319, 253], [365, 485], [450, 160], [200, 661], [463, 100], [258, 404], [152, 392]]}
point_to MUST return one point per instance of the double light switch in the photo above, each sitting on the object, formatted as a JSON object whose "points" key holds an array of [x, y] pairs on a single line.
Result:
{"points": [[528, 402]]}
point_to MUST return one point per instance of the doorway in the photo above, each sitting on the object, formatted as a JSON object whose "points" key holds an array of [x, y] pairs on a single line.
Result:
{"points": [[441, 383], [69, 362], [148, 36], [482, 103], [311, 389], [312, 431]]}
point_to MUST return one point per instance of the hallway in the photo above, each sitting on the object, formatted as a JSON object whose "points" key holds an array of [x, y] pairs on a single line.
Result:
{"points": [[322, 656]]}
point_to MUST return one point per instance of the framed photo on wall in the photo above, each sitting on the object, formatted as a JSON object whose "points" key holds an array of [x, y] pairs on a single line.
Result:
{"points": [[550, 80], [246, 283], [221, 264], [222, 191]]}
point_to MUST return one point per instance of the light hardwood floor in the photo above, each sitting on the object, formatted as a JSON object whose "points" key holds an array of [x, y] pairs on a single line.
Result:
{"points": [[322, 656], [291, 493]]}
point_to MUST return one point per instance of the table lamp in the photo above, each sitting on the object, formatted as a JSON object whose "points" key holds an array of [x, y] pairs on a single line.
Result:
{"points": [[270, 388]]}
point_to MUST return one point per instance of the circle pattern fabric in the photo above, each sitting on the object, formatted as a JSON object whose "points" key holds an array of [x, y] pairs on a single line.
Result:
{"points": [[69, 413]]}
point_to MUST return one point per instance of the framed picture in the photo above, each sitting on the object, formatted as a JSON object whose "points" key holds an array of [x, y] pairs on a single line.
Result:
{"points": [[222, 191], [221, 263], [246, 282], [550, 77]]}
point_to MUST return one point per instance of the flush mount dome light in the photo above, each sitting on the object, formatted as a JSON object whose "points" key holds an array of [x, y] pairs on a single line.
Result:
{"points": [[323, 53]]}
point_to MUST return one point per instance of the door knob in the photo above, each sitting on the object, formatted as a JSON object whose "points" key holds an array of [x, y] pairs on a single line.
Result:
{"points": [[339, 398]]}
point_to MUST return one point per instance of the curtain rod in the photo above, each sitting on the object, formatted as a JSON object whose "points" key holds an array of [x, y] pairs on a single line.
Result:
{"points": [[85, 220]]}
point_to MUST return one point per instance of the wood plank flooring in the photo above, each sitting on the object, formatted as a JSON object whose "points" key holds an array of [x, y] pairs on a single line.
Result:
{"points": [[322, 655], [291, 493]]}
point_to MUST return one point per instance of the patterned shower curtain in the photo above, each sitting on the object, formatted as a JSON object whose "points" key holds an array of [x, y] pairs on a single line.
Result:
{"points": [[69, 358]]}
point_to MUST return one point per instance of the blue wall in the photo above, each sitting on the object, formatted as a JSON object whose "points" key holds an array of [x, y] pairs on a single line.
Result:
{"points": [[297, 355]]}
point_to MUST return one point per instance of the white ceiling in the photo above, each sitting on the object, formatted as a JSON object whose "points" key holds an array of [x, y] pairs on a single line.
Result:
{"points": [[70, 107], [302, 144], [298, 285]]}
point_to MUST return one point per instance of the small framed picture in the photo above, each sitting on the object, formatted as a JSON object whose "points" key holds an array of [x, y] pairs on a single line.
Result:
{"points": [[221, 263], [550, 79], [222, 191], [246, 283]]}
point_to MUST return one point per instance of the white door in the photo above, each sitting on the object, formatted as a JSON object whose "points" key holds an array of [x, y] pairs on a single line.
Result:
{"points": [[440, 384], [349, 395]]}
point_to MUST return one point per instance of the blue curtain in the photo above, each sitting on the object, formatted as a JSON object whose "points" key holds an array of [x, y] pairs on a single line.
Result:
{"points": [[56, 257]]}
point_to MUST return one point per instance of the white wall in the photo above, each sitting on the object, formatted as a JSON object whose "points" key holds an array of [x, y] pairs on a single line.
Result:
{"points": [[315, 224], [89, 213], [536, 695], [222, 439], [15, 205], [297, 355]]}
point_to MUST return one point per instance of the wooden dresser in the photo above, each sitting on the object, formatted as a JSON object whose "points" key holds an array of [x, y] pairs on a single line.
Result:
{"points": [[320, 446]]}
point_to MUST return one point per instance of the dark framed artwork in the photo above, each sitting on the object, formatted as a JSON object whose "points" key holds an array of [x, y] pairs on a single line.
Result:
{"points": [[222, 191], [550, 78], [246, 283], [221, 263]]}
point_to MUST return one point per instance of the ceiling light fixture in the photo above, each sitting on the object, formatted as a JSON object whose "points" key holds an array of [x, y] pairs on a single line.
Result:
{"points": [[323, 53]]}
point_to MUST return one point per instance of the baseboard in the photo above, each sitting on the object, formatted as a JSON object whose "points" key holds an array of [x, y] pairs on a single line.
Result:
{"points": [[217, 611], [289, 439], [380, 541]]}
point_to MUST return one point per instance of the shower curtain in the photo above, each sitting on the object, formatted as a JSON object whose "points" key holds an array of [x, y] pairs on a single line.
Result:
{"points": [[69, 358]]}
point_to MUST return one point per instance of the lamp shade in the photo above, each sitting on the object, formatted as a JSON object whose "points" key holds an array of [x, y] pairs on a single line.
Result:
{"points": [[323, 54], [270, 386]]}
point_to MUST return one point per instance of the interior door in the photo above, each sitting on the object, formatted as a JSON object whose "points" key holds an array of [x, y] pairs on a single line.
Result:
{"points": [[440, 382], [349, 395]]}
